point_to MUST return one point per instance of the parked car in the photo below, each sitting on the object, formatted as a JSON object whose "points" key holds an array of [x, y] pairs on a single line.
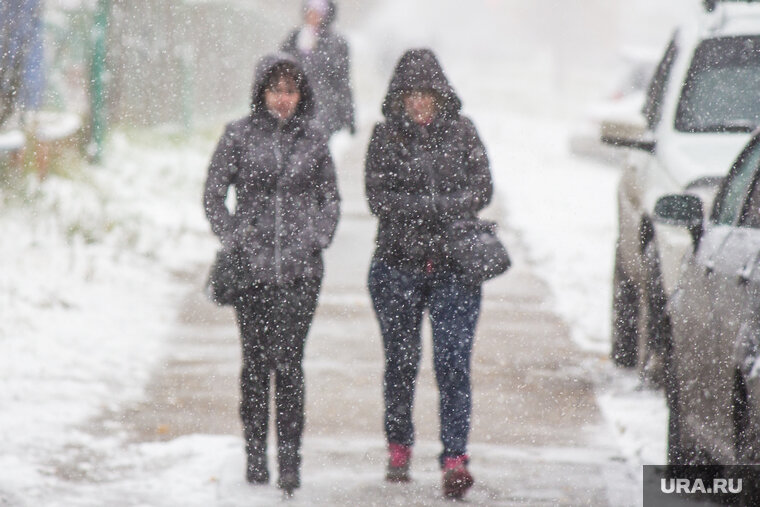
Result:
{"points": [[619, 105], [699, 112], [713, 367]]}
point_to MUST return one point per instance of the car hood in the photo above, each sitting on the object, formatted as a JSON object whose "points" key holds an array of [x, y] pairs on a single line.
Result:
{"points": [[692, 156]]}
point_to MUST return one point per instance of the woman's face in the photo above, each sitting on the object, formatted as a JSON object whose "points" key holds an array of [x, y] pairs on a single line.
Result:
{"points": [[313, 18], [421, 106], [281, 97]]}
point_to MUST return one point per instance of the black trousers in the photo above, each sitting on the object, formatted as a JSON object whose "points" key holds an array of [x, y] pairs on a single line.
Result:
{"points": [[274, 321]]}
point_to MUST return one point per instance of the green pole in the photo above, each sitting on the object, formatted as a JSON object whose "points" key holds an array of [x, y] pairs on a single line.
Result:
{"points": [[97, 83]]}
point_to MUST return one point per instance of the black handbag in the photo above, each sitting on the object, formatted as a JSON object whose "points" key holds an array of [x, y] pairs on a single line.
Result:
{"points": [[228, 277], [476, 251]]}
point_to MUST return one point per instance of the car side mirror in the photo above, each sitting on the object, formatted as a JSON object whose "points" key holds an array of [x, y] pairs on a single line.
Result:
{"points": [[628, 132], [644, 142], [681, 210]]}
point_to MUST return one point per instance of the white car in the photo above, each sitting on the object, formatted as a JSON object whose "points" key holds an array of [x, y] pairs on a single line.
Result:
{"points": [[702, 103], [619, 105]]}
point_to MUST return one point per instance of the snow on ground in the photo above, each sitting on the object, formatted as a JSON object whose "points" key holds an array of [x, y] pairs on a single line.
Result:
{"points": [[564, 210], [11, 140], [87, 294]]}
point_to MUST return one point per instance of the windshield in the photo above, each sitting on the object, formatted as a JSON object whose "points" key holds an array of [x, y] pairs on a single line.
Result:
{"points": [[722, 90]]}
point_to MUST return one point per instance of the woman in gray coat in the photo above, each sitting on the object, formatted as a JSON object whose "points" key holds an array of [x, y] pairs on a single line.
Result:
{"points": [[287, 208]]}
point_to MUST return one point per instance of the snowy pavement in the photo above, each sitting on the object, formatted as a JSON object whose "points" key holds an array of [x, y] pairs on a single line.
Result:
{"points": [[537, 437], [119, 381]]}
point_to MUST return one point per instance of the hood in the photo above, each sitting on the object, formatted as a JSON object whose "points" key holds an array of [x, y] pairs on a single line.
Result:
{"points": [[417, 69], [692, 156], [264, 68], [329, 17]]}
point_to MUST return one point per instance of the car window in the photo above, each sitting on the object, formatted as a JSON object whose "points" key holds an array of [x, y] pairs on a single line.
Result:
{"points": [[752, 211], [728, 205], [653, 105], [721, 89]]}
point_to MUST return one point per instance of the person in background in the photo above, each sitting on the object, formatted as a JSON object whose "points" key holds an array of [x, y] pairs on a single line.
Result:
{"points": [[286, 213], [425, 167], [324, 56]]}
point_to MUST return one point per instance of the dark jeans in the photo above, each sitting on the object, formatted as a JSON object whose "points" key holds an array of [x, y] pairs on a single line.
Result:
{"points": [[400, 298], [274, 322]]}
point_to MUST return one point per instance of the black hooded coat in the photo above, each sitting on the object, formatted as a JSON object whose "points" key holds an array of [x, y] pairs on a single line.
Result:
{"points": [[327, 67], [419, 179], [287, 202]]}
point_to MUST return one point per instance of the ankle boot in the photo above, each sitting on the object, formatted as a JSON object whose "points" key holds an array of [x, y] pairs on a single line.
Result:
{"points": [[399, 458], [456, 478]]}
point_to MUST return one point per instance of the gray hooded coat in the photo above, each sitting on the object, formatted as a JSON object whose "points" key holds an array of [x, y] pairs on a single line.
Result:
{"points": [[327, 67], [419, 179], [285, 186]]}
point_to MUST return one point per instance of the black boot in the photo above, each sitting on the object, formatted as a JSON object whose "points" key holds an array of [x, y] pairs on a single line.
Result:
{"points": [[289, 459], [257, 471], [289, 482]]}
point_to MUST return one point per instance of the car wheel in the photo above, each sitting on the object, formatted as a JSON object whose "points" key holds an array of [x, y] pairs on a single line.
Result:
{"points": [[746, 440], [681, 451], [654, 342], [674, 422], [744, 436], [671, 398], [625, 317]]}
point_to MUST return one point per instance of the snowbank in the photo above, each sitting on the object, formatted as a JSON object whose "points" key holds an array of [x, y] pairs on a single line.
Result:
{"points": [[93, 266], [12, 140]]}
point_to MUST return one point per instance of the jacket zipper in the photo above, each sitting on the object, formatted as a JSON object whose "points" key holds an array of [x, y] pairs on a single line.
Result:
{"points": [[426, 155], [427, 160], [277, 211]]}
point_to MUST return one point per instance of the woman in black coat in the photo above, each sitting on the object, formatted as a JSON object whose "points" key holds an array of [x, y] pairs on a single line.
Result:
{"points": [[287, 208], [425, 168], [325, 59]]}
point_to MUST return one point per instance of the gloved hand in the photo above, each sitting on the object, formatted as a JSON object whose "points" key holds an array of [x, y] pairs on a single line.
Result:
{"points": [[450, 205], [427, 206], [231, 238], [227, 240]]}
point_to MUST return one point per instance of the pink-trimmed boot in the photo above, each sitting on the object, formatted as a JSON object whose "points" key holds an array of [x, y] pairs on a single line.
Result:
{"points": [[456, 478], [399, 457]]}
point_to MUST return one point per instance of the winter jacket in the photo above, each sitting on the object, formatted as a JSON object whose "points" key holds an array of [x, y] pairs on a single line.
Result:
{"points": [[419, 179], [327, 67], [287, 201]]}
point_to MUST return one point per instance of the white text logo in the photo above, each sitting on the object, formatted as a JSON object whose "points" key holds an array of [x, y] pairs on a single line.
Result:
{"points": [[688, 486]]}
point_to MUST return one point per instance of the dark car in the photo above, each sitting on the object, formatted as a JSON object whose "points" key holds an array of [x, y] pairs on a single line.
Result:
{"points": [[713, 367]]}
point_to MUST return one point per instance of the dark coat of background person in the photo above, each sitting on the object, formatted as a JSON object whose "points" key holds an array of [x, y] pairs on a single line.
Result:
{"points": [[283, 218], [327, 67], [415, 204]]}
